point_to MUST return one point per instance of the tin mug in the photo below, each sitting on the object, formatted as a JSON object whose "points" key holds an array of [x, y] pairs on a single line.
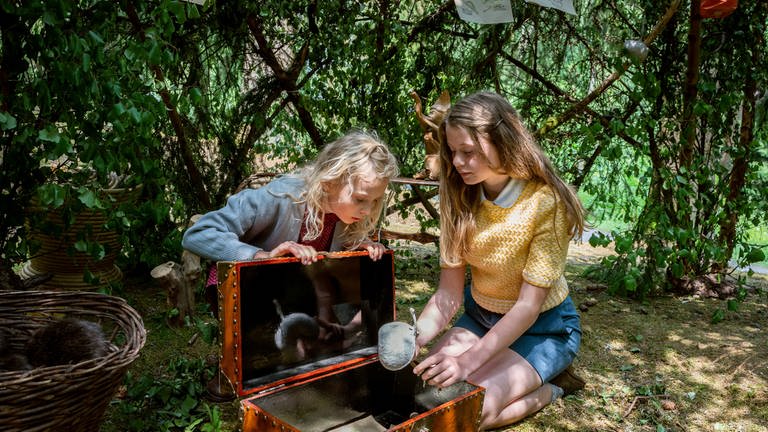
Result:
{"points": [[397, 343]]}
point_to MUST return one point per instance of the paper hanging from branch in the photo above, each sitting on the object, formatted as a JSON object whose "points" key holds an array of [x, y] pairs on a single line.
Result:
{"points": [[563, 5], [484, 11]]}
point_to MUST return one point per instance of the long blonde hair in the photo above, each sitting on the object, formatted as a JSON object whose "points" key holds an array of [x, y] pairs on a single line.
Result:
{"points": [[352, 156], [491, 116]]}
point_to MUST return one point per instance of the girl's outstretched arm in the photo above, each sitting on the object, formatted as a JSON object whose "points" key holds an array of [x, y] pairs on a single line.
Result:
{"points": [[442, 306], [442, 369]]}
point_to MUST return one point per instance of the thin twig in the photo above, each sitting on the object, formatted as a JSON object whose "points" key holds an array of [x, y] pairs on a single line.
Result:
{"points": [[193, 338], [741, 365]]}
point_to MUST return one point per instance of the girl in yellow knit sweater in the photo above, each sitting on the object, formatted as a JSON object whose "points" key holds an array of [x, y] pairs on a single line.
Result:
{"points": [[507, 215]]}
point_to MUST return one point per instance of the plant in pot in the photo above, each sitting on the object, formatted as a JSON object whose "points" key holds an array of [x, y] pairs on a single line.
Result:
{"points": [[76, 106], [74, 229]]}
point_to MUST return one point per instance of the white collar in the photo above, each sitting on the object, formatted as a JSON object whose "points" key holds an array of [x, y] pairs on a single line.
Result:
{"points": [[509, 194]]}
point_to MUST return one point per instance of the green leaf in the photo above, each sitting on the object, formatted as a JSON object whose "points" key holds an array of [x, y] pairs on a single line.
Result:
{"points": [[188, 404], [677, 269], [118, 109], [154, 53], [81, 246], [192, 12], [755, 255], [49, 134], [134, 113], [623, 244], [52, 195], [630, 283], [89, 198], [49, 17], [95, 37], [177, 8], [98, 252], [196, 95], [7, 121], [717, 316], [193, 425]]}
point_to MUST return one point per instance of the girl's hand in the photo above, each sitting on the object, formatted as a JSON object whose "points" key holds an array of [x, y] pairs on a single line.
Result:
{"points": [[375, 250], [441, 370], [307, 254], [331, 331]]}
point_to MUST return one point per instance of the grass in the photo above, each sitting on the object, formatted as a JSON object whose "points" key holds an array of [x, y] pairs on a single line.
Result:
{"points": [[660, 365]]}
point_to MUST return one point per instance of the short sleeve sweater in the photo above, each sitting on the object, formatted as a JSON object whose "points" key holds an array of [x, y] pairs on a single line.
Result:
{"points": [[526, 240]]}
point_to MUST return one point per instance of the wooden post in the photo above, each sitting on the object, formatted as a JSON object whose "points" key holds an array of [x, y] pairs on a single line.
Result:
{"points": [[181, 280], [181, 294]]}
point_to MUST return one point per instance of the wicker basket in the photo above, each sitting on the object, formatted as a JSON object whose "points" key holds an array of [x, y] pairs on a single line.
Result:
{"points": [[69, 397], [58, 256]]}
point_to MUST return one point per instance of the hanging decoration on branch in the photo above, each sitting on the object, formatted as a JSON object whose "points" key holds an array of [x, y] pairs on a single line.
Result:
{"points": [[484, 11], [563, 5], [500, 11], [717, 8], [636, 49]]}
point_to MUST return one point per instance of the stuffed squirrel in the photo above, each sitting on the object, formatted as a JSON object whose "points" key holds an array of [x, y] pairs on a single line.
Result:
{"points": [[430, 124], [60, 342]]}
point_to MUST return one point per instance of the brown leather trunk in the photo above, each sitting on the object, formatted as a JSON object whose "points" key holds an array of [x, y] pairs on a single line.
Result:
{"points": [[284, 353]]}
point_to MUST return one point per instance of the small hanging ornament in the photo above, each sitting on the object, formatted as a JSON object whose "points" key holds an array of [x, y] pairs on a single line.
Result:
{"points": [[636, 49], [717, 8]]}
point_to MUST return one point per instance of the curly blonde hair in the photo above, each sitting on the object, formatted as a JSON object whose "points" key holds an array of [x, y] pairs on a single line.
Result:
{"points": [[357, 154]]}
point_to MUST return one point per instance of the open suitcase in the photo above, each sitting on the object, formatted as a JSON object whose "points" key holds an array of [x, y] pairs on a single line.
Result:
{"points": [[298, 346]]}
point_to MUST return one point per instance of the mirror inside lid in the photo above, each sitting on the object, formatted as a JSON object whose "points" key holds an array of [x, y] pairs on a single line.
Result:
{"points": [[295, 319]]}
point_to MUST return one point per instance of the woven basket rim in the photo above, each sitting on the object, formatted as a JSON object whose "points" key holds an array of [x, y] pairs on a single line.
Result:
{"points": [[18, 303]]}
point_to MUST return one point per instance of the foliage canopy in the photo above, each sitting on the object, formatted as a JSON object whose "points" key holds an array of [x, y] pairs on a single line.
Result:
{"points": [[182, 98]]}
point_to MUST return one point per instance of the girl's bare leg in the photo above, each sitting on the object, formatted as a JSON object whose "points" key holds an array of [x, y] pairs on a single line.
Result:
{"points": [[513, 390], [513, 387]]}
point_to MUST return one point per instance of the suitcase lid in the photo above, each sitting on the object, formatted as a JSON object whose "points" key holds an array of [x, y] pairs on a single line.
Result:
{"points": [[282, 322]]}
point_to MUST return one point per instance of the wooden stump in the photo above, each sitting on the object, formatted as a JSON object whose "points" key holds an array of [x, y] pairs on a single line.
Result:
{"points": [[181, 293]]}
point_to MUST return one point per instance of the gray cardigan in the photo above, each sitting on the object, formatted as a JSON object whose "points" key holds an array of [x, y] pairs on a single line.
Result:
{"points": [[253, 220]]}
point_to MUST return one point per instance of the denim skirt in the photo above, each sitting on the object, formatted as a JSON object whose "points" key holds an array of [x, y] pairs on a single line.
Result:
{"points": [[549, 345]]}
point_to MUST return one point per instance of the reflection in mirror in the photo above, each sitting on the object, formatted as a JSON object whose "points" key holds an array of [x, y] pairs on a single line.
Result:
{"points": [[295, 318]]}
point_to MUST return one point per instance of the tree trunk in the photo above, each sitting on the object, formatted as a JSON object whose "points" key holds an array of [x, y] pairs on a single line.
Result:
{"points": [[688, 123], [195, 177], [740, 165]]}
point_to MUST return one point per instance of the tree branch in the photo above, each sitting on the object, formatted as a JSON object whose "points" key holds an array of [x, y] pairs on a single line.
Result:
{"points": [[286, 79], [741, 163], [195, 176], [578, 107], [605, 121]]}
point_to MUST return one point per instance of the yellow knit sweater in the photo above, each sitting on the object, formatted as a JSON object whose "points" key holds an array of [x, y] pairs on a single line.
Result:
{"points": [[527, 241]]}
